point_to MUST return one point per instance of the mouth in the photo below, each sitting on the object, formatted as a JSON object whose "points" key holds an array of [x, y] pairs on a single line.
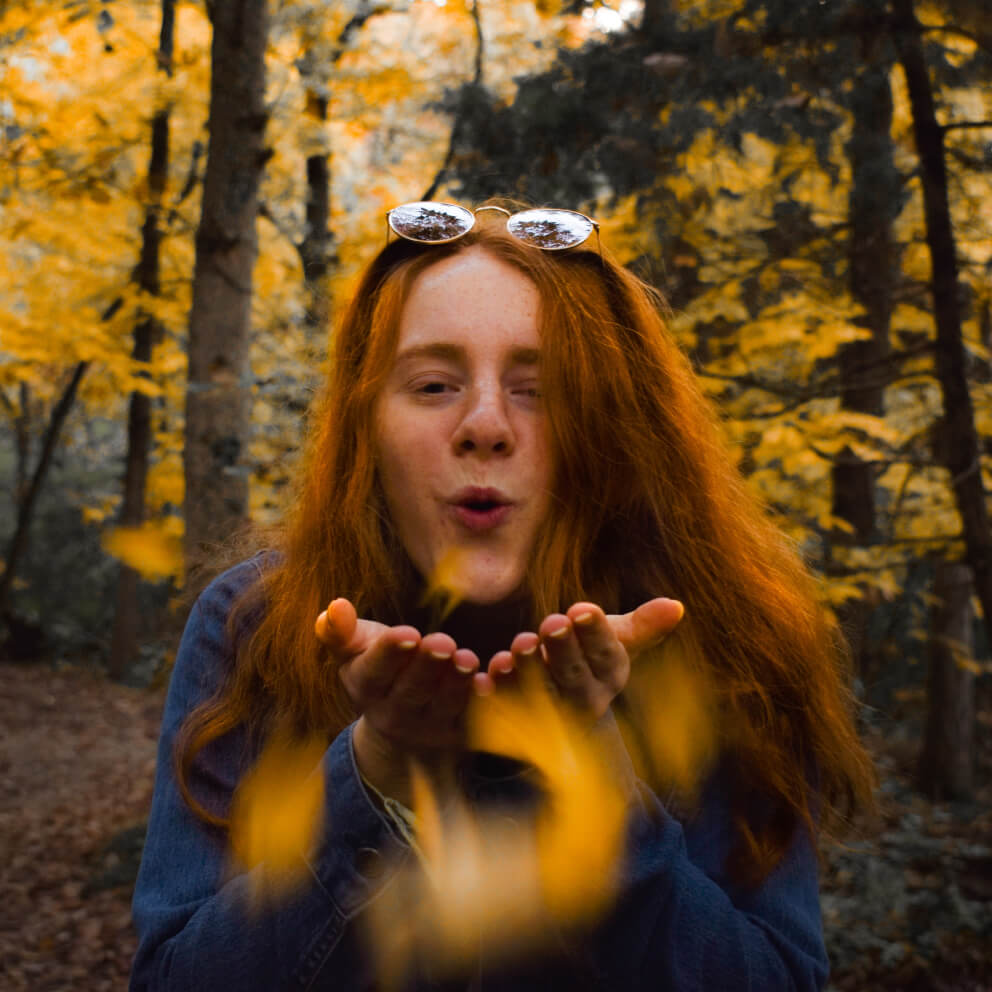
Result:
{"points": [[481, 509]]}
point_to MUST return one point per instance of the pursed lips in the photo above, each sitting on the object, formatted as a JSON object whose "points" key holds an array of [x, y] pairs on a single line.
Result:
{"points": [[481, 509]]}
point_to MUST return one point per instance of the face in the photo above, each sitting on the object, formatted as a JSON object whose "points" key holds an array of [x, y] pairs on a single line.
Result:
{"points": [[463, 454]]}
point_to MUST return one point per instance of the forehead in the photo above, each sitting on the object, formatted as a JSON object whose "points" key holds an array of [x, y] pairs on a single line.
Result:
{"points": [[471, 298]]}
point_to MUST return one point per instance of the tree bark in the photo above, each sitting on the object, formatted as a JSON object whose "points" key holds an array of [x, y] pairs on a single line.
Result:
{"points": [[25, 511], [218, 396], [22, 430], [316, 248], [871, 265], [947, 761], [124, 637], [656, 17], [959, 442]]}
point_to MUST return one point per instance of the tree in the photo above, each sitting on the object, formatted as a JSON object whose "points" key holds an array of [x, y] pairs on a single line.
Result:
{"points": [[733, 133], [872, 264], [959, 446], [125, 632], [219, 392], [947, 758], [77, 84]]}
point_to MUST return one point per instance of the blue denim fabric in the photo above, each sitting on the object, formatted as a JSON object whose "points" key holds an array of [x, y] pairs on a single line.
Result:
{"points": [[679, 923]]}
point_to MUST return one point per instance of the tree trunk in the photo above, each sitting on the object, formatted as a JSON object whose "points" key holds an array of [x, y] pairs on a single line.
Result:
{"points": [[124, 638], [316, 248], [25, 511], [656, 17], [947, 760], [22, 431], [959, 438], [871, 265], [218, 398]]}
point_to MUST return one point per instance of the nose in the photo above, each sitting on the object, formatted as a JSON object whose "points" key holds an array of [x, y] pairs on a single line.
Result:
{"points": [[485, 427]]}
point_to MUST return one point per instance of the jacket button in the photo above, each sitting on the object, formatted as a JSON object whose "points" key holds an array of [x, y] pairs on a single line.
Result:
{"points": [[371, 863]]}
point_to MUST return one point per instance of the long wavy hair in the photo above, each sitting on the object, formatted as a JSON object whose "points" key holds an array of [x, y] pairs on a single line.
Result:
{"points": [[647, 501]]}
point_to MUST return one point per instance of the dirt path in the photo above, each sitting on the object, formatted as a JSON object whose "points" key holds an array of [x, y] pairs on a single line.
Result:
{"points": [[907, 904], [76, 767]]}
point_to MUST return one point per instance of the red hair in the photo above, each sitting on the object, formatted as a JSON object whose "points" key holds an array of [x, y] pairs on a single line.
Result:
{"points": [[648, 502]]}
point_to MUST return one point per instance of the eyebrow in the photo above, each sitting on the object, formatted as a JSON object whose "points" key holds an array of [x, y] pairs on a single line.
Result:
{"points": [[455, 353]]}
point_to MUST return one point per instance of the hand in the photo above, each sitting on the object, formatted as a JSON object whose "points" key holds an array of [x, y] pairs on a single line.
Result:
{"points": [[587, 653], [410, 692]]}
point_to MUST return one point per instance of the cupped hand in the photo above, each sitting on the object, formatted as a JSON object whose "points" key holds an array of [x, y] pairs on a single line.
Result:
{"points": [[410, 690], [587, 653]]}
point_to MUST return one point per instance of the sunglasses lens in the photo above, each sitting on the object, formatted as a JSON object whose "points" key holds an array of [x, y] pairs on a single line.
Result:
{"points": [[431, 223], [550, 229]]}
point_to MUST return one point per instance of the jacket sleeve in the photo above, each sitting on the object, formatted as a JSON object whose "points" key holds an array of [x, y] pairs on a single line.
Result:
{"points": [[682, 924], [196, 927]]}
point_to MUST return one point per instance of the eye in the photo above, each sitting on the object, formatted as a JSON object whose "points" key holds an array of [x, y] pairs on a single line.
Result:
{"points": [[529, 390], [429, 386]]}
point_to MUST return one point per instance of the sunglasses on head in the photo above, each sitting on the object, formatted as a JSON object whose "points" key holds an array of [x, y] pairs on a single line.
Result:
{"points": [[547, 228]]}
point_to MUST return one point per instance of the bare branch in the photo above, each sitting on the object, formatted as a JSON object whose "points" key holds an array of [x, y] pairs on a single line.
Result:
{"points": [[962, 125], [983, 41], [456, 127], [8, 404]]}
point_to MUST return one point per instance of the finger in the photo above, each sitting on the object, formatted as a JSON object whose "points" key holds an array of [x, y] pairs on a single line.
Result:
{"points": [[606, 657], [415, 686], [648, 625], [452, 692], [524, 648], [501, 664], [525, 657], [372, 674], [566, 662], [336, 625], [466, 662]]}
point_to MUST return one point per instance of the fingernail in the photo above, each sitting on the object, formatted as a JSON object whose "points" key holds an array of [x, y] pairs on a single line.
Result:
{"points": [[441, 655], [464, 669], [407, 645], [583, 618], [560, 632], [527, 652]]}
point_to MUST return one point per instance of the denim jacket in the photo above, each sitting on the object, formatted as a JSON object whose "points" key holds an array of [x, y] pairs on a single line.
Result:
{"points": [[678, 923]]}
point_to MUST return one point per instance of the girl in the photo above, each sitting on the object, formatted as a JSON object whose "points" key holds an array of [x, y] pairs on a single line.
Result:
{"points": [[504, 398]]}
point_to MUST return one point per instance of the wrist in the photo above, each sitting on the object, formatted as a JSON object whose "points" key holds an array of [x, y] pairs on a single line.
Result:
{"points": [[381, 764]]}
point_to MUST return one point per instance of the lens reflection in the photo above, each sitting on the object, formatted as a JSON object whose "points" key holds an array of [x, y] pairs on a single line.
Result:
{"points": [[431, 223], [550, 229]]}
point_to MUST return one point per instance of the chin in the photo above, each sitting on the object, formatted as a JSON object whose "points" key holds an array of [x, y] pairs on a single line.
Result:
{"points": [[490, 590]]}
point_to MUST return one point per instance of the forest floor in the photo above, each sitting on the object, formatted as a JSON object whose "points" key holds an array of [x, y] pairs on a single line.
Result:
{"points": [[907, 901]]}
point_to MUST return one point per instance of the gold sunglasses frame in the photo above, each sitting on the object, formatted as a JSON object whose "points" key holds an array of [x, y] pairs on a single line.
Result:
{"points": [[509, 216]]}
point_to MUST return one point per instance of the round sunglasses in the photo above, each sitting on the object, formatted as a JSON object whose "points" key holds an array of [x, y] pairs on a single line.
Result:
{"points": [[436, 223]]}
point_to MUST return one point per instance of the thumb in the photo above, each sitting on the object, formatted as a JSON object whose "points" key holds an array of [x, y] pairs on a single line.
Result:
{"points": [[650, 623], [339, 629]]}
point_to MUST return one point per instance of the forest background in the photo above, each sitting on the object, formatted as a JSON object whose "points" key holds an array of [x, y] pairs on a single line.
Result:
{"points": [[188, 190]]}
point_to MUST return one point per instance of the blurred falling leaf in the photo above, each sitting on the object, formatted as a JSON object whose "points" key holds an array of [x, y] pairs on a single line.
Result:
{"points": [[445, 586], [277, 813], [580, 828], [506, 883], [670, 722], [151, 549]]}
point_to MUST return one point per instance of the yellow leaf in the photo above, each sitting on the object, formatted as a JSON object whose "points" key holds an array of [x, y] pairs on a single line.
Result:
{"points": [[278, 813], [532, 727], [508, 882], [446, 586], [672, 715], [149, 549], [970, 665]]}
